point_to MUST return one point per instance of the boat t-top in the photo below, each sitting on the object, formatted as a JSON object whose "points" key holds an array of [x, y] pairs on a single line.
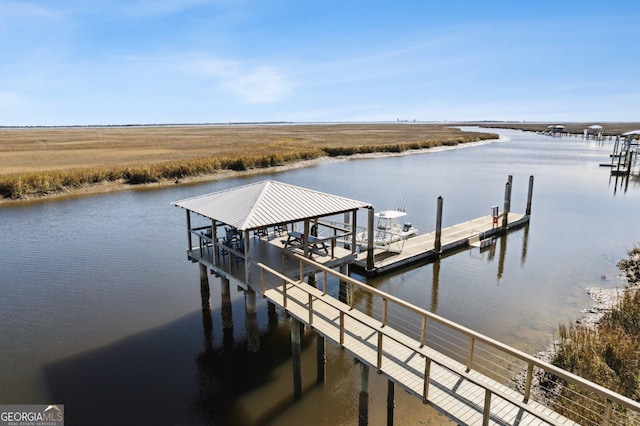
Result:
{"points": [[389, 234]]}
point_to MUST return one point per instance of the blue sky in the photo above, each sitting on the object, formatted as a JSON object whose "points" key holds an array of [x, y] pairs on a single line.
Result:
{"points": [[81, 62]]}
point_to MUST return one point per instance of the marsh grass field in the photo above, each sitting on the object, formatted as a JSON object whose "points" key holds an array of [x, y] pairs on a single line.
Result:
{"points": [[46, 161]]}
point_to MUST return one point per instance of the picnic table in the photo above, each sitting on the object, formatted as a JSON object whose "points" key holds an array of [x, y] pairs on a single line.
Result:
{"points": [[295, 239]]}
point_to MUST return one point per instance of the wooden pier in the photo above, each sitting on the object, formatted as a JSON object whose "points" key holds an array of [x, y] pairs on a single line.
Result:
{"points": [[268, 237], [458, 389], [422, 248], [624, 158], [478, 232]]}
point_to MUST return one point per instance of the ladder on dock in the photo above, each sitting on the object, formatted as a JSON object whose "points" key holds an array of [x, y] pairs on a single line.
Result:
{"points": [[458, 388]]}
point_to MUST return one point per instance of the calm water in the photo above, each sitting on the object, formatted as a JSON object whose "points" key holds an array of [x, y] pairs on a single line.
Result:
{"points": [[100, 309]]}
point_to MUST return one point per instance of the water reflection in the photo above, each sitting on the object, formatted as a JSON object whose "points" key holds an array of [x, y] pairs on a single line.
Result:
{"points": [[622, 182], [434, 286], [83, 325]]}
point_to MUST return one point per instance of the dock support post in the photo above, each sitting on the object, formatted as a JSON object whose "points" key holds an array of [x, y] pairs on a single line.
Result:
{"points": [[438, 243], [247, 257], [347, 225], [272, 314], [227, 315], [189, 230], [205, 292], [370, 238], [507, 205], [253, 332], [390, 402], [529, 196], [295, 358], [305, 240], [363, 407], [354, 231], [214, 238], [320, 358]]}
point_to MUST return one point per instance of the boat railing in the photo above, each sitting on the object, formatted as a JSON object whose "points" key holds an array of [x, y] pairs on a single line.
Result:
{"points": [[388, 239]]}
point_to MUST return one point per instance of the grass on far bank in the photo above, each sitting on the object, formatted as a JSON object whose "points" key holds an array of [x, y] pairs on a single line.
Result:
{"points": [[45, 161], [606, 354]]}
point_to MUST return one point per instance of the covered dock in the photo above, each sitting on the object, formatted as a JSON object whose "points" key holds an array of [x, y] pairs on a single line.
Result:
{"points": [[267, 237], [269, 221]]}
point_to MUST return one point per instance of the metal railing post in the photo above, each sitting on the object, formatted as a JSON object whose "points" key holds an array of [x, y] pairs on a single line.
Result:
{"points": [[301, 271], [379, 363], [341, 328], [607, 412], [486, 414], [527, 386], [470, 353], [284, 295], [384, 312], [425, 385]]}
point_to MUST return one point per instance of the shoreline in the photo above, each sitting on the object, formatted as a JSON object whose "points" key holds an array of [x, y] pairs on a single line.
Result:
{"points": [[604, 301], [108, 187]]}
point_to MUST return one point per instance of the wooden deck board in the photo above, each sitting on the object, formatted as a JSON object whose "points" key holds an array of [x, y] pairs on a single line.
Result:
{"points": [[403, 361], [422, 246]]}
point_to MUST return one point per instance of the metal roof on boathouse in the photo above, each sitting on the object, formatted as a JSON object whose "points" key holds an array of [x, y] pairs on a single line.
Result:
{"points": [[267, 203]]}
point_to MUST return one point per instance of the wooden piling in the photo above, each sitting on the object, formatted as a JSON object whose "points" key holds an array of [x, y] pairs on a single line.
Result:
{"points": [[363, 407], [251, 324], [227, 314], [390, 402], [190, 242], [320, 358], [205, 292], [529, 196], [438, 242], [295, 358], [370, 238], [507, 205]]}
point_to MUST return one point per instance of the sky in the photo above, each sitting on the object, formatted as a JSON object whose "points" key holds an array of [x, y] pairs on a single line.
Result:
{"points": [[111, 62]]}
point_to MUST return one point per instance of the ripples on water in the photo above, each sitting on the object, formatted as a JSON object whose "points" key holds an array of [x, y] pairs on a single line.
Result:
{"points": [[101, 309]]}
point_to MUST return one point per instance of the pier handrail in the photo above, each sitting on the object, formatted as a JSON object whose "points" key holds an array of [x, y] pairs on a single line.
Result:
{"points": [[609, 396], [489, 389]]}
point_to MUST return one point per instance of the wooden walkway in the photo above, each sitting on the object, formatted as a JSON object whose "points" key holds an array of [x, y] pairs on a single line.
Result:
{"points": [[464, 395], [422, 247]]}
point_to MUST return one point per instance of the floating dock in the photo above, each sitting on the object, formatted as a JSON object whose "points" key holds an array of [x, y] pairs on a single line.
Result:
{"points": [[480, 232]]}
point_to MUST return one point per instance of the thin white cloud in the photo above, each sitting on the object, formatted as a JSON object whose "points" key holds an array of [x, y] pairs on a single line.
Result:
{"points": [[214, 67], [262, 85], [22, 10], [153, 8], [259, 85]]}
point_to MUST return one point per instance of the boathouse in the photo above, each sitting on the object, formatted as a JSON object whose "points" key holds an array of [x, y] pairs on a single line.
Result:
{"points": [[268, 220], [594, 131], [555, 129]]}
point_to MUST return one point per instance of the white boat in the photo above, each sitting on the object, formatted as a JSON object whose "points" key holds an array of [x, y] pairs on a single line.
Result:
{"points": [[388, 233]]}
